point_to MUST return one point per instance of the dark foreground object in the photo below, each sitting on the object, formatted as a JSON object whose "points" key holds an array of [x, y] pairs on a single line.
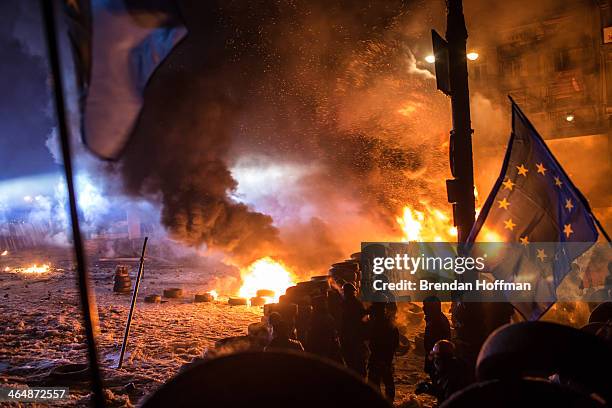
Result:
{"points": [[519, 393], [541, 349], [270, 379]]}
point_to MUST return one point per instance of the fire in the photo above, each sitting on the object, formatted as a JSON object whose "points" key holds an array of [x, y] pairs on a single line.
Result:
{"points": [[214, 294], [265, 273], [435, 226], [44, 268]]}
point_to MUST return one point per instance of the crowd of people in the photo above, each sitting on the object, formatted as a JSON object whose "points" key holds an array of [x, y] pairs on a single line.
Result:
{"points": [[338, 327]]}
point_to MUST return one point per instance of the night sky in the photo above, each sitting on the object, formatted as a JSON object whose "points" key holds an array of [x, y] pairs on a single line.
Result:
{"points": [[25, 110]]}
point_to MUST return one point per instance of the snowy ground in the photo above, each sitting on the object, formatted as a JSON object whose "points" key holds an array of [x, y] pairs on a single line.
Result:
{"points": [[41, 330]]}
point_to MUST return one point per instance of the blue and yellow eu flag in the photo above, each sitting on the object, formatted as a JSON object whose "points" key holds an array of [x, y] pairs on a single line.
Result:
{"points": [[535, 205]]}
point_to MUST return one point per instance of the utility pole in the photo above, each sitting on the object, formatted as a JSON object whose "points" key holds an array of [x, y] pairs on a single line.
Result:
{"points": [[452, 79]]}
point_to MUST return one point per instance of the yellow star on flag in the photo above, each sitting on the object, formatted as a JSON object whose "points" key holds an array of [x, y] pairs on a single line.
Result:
{"points": [[522, 170], [541, 169], [567, 230], [508, 184], [568, 204], [524, 240], [541, 255], [509, 224], [558, 181], [503, 203]]}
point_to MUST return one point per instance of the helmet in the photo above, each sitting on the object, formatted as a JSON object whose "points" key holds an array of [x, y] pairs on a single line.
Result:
{"points": [[443, 348], [349, 287]]}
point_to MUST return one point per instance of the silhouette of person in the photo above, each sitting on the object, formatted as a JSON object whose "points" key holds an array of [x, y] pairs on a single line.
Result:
{"points": [[383, 337], [322, 337], [451, 373], [352, 332], [280, 338], [437, 328]]}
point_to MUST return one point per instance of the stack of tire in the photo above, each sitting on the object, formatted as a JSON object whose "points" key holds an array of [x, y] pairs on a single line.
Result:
{"points": [[316, 286], [346, 272], [122, 281]]}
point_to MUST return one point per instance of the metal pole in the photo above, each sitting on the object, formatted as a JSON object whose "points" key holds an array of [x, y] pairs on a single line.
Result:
{"points": [[133, 305], [461, 135], [88, 302]]}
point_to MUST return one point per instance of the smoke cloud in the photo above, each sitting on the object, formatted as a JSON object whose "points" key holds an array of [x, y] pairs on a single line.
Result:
{"points": [[332, 87], [335, 87]]}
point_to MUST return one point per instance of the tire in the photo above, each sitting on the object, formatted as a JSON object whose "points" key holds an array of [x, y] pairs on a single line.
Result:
{"points": [[152, 299], [257, 301], [519, 393], [265, 293], [540, 349], [237, 301], [266, 379], [173, 293], [204, 297]]}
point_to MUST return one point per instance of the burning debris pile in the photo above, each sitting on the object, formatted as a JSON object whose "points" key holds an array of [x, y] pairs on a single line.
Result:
{"points": [[292, 301]]}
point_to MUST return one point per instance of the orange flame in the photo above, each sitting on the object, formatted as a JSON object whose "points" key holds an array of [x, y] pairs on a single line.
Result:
{"points": [[435, 226], [265, 273], [44, 268]]}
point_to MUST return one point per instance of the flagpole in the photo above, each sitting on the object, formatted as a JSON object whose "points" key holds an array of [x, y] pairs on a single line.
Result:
{"points": [[88, 303], [126, 334]]}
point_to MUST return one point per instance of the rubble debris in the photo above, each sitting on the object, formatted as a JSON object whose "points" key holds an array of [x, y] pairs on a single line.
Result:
{"points": [[173, 293], [123, 283]]}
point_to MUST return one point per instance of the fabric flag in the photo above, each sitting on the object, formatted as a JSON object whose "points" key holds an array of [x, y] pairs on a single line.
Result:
{"points": [[536, 206], [117, 45]]}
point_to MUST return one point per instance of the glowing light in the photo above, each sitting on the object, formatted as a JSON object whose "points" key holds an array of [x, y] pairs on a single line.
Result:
{"points": [[569, 117], [407, 110], [7, 269], [472, 56], [410, 222], [44, 268], [4, 253], [430, 59], [28, 199], [433, 225], [265, 273], [214, 294], [487, 235]]}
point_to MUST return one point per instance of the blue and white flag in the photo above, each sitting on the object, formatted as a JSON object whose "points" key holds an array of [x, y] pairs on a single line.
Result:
{"points": [[117, 47], [535, 205]]}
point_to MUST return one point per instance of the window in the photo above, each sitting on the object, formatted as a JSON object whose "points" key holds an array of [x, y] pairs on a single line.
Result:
{"points": [[562, 60], [511, 68]]}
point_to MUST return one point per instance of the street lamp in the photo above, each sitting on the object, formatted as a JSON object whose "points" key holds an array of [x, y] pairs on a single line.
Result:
{"points": [[472, 56]]}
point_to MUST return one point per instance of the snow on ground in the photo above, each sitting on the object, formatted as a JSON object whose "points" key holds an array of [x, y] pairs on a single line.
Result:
{"points": [[41, 330]]}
